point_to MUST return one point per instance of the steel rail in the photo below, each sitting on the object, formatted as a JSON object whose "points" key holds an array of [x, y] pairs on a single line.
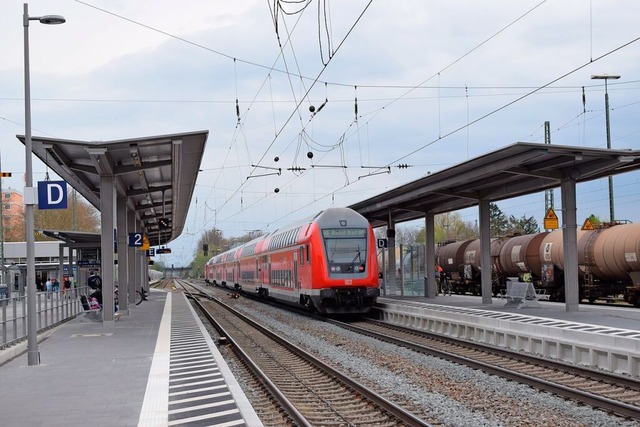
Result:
{"points": [[596, 401], [395, 410]]}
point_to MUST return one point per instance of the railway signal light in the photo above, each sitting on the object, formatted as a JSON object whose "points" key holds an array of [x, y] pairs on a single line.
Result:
{"points": [[5, 174]]}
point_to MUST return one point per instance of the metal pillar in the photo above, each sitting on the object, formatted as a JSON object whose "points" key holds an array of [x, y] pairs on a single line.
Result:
{"points": [[107, 211], [485, 252], [430, 290], [131, 262], [390, 278], [569, 241], [123, 260]]}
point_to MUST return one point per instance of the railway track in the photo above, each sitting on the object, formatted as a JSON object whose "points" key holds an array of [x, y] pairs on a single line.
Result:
{"points": [[611, 393], [309, 391]]}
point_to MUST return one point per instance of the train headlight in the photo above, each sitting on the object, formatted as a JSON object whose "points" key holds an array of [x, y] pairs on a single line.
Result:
{"points": [[361, 268]]}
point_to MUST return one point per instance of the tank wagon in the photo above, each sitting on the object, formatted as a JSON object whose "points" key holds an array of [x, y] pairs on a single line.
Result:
{"points": [[608, 261], [327, 263]]}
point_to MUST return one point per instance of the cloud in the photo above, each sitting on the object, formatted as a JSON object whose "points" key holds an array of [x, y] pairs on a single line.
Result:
{"points": [[431, 80]]}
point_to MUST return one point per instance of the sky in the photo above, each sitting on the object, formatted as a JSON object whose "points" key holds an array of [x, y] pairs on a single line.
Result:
{"points": [[428, 84]]}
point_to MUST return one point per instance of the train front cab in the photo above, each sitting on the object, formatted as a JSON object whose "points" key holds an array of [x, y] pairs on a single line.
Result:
{"points": [[346, 271]]}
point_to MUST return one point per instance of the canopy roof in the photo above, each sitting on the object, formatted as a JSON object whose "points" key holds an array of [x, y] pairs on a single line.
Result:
{"points": [[516, 170], [157, 174]]}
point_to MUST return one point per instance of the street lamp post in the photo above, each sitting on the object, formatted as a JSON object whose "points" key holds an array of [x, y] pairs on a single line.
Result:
{"points": [[606, 77], [30, 193]]}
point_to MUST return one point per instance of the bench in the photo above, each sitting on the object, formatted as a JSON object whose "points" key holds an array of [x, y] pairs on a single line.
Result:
{"points": [[542, 295], [521, 294]]}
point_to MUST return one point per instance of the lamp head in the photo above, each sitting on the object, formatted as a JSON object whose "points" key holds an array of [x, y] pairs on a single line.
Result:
{"points": [[605, 77], [52, 19]]}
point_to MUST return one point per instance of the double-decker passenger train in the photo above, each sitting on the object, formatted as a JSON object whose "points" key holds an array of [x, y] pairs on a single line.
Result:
{"points": [[326, 263]]}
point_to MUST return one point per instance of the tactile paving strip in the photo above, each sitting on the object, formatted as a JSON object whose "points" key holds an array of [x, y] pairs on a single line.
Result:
{"points": [[198, 393]]}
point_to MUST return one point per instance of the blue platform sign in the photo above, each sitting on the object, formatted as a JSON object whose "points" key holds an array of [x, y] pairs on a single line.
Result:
{"points": [[52, 195], [136, 239]]}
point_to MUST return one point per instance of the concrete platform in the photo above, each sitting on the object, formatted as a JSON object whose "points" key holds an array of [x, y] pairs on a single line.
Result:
{"points": [[135, 371], [601, 337]]}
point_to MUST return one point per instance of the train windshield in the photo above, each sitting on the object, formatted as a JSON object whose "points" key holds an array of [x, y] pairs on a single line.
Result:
{"points": [[346, 249]]}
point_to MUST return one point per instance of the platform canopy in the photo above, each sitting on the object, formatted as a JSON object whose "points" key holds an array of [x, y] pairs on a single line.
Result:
{"points": [[74, 238], [156, 174], [516, 170]]}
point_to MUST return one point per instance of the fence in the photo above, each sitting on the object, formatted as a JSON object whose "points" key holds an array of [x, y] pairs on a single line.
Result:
{"points": [[52, 308], [406, 278]]}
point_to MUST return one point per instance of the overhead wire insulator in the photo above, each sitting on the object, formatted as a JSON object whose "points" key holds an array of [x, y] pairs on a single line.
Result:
{"points": [[322, 106], [355, 106]]}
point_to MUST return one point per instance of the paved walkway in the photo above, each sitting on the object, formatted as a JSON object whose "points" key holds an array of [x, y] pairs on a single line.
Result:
{"points": [[96, 374]]}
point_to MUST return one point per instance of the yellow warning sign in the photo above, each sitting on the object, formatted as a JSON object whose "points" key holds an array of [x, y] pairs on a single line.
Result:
{"points": [[145, 243], [550, 220], [587, 225]]}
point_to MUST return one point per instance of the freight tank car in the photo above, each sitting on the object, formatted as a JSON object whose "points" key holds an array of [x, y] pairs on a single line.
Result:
{"points": [[327, 264], [608, 260], [450, 256]]}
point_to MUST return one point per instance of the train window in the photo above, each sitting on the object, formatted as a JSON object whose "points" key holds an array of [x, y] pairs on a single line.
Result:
{"points": [[346, 249], [301, 257]]}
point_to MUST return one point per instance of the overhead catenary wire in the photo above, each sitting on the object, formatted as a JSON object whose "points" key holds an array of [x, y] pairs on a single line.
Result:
{"points": [[361, 85]]}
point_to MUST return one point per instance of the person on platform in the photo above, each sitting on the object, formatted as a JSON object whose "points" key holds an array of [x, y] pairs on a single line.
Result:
{"points": [[94, 281], [438, 278], [48, 287]]}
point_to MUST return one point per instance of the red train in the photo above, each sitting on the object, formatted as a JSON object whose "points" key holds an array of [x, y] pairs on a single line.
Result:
{"points": [[608, 260], [327, 263]]}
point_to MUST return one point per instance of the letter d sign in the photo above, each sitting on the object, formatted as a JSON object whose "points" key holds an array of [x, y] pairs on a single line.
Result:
{"points": [[52, 195]]}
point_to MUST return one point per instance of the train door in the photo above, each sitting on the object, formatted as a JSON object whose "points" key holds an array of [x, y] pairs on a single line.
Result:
{"points": [[269, 270], [236, 274], [295, 270], [257, 271]]}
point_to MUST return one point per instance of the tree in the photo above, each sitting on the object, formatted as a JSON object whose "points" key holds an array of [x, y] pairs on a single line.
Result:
{"points": [[595, 220], [524, 225], [79, 215], [498, 223], [449, 226], [216, 243], [215, 239], [249, 236], [197, 265], [158, 266], [405, 235]]}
